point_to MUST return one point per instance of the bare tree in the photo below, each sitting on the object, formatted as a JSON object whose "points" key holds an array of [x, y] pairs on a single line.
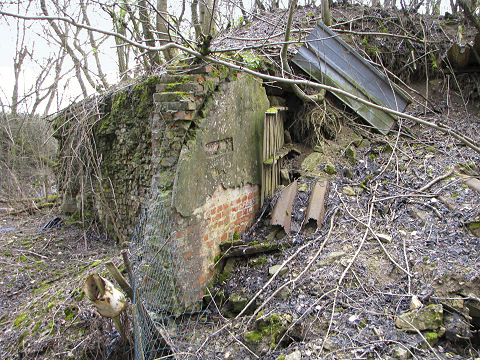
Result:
{"points": [[203, 18], [154, 58], [326, 13], [94, 46], [163, 28]]}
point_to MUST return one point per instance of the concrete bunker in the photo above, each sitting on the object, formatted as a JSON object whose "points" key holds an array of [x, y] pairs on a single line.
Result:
{"points": [[173, 165], [180, 152]]}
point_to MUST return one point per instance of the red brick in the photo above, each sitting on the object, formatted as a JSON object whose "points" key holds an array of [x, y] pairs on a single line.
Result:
{"points": [[223, 237], [244, 198], [205, 237], [226, 206], [179, 234], [202, 279], [252, 195]]}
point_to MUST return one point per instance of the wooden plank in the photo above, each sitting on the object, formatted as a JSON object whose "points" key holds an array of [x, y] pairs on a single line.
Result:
{"points": [[265, 131], [272, 150]]}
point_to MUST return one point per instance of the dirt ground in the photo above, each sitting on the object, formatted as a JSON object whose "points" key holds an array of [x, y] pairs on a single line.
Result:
{"points": [[43, 313]]}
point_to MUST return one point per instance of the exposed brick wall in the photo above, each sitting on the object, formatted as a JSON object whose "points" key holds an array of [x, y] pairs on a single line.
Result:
{"points": [[226, 212]]}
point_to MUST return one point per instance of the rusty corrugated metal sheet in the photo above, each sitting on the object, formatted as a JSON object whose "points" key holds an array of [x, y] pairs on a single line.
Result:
{"points": [[282, 212], [316, 206], [331, 61]]}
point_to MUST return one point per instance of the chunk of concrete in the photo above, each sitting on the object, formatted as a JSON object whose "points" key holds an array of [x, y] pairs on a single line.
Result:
{"points": [[429, 317], [272, 270]]}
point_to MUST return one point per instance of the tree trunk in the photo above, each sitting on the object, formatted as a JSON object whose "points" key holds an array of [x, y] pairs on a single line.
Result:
{"points": [[153, 56], [207, 19], [162, 28], [94, 46], [196, 20], [326, 13]]}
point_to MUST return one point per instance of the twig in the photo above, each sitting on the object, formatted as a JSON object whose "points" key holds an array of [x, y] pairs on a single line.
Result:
{"points": [[407, 265], [362, 242], [423, 338], [31, 252], [272, 278], [243, 345], [434, 181]]}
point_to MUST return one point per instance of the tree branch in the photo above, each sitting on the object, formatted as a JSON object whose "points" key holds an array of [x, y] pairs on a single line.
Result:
{"points": [[471, 143]]}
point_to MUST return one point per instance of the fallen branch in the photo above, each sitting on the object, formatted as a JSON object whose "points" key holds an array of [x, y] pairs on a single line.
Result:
{"points": [[434, 181], [33, 208], [121, 281]]}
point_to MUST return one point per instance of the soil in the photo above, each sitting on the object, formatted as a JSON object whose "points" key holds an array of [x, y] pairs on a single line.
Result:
{"points": [[43, 311]]}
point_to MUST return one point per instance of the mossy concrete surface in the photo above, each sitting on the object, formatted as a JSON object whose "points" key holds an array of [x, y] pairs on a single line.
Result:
{"points": [[105, 155], [268, 332], [226, 148], [429, 317]]}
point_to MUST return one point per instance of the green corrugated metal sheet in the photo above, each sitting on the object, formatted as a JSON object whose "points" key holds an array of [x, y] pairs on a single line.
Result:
{"points": [[331, 61]]}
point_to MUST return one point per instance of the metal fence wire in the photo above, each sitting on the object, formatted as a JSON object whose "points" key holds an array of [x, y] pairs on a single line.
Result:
{"points": [[163, 325]]}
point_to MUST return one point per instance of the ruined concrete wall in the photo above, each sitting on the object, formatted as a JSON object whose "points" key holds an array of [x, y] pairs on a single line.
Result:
{"points": [[104, 157], [123, 139], [216, 194], [187, 149]]}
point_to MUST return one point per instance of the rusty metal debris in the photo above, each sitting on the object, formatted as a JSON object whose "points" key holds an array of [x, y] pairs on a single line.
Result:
{"points": [[282, 212], [316, 206]]}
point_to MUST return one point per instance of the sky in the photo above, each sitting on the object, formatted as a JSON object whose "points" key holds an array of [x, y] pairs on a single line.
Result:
{"points": [[35, 37]]}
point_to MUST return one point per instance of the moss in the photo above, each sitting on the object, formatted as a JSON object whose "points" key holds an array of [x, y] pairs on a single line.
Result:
{"points": [[269, 330], [330, 169], [252, 61], [41, 288], [70, 312], [253, 336], [365, 181], [474, 225], [221, 72], [258, 261], [22, 320], [432, 337], [236, 236]]}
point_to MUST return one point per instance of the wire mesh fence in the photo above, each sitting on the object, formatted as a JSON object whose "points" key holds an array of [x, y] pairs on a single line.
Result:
{"points": [[165, 323]]}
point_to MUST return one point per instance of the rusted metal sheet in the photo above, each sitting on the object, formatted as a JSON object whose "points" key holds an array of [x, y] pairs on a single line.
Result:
{"points": [[331, 61], [282, 212], [316, 206]]}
